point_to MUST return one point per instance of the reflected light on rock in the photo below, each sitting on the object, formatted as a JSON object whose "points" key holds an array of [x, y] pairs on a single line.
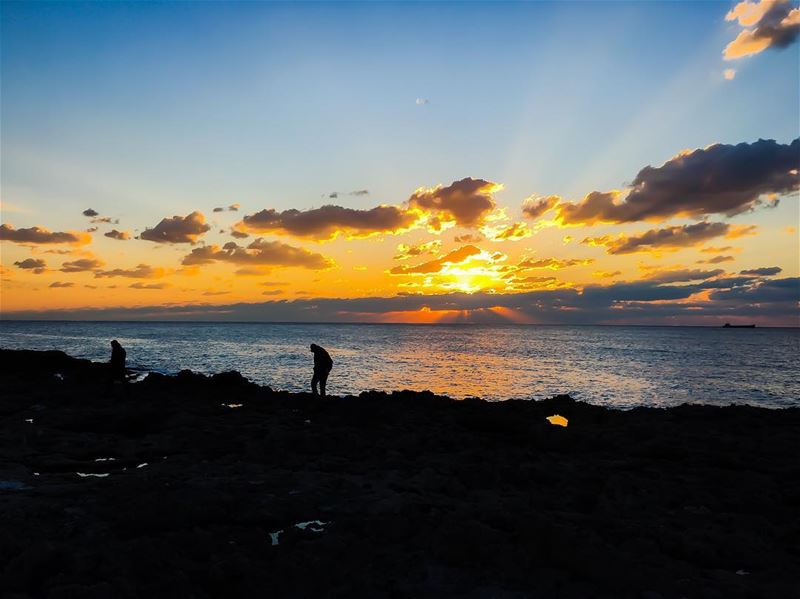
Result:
{"points": [[557, 420]]}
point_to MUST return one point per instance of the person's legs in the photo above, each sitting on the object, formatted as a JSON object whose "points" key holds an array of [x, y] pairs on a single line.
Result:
{"points": [[323, 378], [314, 380]]}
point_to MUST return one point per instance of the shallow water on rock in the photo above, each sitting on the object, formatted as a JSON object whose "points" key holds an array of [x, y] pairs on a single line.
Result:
{"points": [[614, 366]]}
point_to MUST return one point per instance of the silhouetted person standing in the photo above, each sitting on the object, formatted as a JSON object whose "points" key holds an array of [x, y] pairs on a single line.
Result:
{"points": [[322, 368], [118, 373]]}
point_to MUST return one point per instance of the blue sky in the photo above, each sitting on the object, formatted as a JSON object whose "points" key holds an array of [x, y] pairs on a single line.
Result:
{"points": [[282, 102]]}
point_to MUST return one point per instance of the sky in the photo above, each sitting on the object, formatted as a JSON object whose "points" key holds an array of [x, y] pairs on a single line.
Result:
{"points": [[611, 163]]}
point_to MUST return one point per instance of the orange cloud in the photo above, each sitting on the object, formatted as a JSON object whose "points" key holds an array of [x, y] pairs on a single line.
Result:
{"points": [[434, 266], [669, 238], [404, 251], [118, 235], [178, 229], [259, 253], [38, 266], [534, 207], [719, 179], [322, 224], [142, 271], [40, 235], [81, 265], [466, 203], [773, 23]]}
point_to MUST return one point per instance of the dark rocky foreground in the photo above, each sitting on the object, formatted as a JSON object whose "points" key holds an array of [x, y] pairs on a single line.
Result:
{"points": [[408, 495]]}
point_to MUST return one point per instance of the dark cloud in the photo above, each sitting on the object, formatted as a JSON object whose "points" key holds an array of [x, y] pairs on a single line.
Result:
{"points": [[259, 253], [681, 276], [360, 192], [118, 235], [773, 24], [58, 284], [40, 235], [512, 232], [404, 251], [231, 208], [765, 301], [106, 220], [329, 221], [466, 202], [142, 271], [719, 179], [534, 207], [762, 272], [669, 238], [239, 234], [148, 285], [211, 293], [434, 266], [81, 265], [469, 238], [90, 212], [717, 260], [37, 265], [178, 229], [764, 291], [552, 263]]}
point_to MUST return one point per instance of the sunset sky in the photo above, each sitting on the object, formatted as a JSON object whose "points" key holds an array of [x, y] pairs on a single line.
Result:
{"points": [[370, 162]]}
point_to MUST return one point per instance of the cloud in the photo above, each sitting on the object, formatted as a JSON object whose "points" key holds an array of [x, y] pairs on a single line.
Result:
{"points": [[765, 301], [272, 292], [552, 263], [186, 229], [719, 179], [534, 207], [762, 272], [421, 101], [404, 251], [606, 274], [469, 238], [142, 271], [465, 203], [329, 221], [216, 293], [259, 253], [359, 192], [58, 284], [669, 238], [106, 220], [81, 265], [148, 285], [767, 24], [512, 232], [40, 235], [91, 212], [682, 276], [37, 265], [434, 266], [118, 235], [716, 260], [231, 208], [729, 74]]}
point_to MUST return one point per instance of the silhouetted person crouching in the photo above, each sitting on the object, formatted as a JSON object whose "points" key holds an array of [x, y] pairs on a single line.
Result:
{"points": [[322, 368], [118, 372]]}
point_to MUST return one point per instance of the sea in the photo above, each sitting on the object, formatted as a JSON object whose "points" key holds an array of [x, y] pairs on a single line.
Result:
{"points": [[615, 366]]}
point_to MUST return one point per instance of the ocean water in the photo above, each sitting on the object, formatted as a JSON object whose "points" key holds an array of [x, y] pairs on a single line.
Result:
{"points": [[612, 366]]}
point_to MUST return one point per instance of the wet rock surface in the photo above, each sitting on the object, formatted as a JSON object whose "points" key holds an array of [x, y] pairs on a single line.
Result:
{"points": [[217, 487]]}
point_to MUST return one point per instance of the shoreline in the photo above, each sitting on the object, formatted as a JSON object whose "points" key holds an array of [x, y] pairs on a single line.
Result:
{"points": [[220, 487]]}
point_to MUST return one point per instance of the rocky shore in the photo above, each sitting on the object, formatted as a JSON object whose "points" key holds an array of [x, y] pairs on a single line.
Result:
{"points": [[197, 486]]}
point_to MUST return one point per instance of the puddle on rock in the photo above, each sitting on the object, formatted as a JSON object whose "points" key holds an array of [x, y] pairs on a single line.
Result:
{"points": [[92, 474], [312, 525]]}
